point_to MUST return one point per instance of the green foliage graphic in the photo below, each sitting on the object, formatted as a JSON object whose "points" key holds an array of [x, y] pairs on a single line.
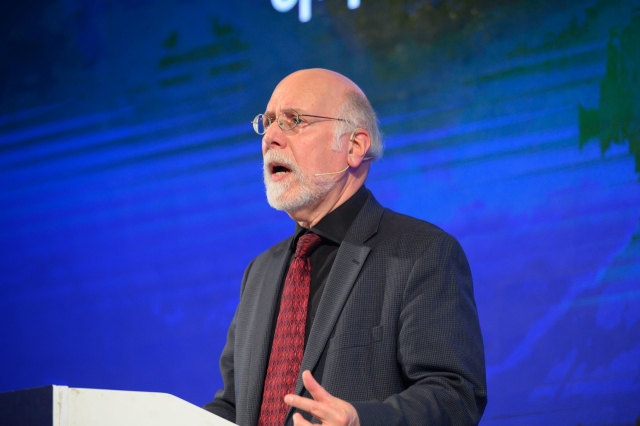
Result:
{"points": [[617, 120]]}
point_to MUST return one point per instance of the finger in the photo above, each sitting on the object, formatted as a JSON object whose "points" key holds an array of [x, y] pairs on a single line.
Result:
{"points": [[300, 402], [323, 411], [315, 389], [298, 420]]}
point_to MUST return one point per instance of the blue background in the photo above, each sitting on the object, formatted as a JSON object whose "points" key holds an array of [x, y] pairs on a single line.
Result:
{"points": [[132, 199]]}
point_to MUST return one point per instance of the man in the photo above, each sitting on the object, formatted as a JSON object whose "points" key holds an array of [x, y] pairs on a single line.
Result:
{"points": [[363, 316]]}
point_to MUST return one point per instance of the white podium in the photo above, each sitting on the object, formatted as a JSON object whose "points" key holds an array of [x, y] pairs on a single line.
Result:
{"points": [[64, 406]]}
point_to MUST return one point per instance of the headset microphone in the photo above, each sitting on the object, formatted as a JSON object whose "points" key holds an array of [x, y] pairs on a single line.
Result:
{"points": [[332, 173], [353, 134]]}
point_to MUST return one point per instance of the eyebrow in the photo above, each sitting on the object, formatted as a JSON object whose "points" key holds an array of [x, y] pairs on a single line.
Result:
{"points": [[298, 110]]}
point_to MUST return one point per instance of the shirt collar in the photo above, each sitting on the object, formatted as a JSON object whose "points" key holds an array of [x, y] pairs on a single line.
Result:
{"points": [[335, 225]]}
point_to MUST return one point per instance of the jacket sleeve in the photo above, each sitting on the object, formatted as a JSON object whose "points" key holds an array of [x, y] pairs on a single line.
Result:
{"points": [[439, 348], [224, 402]]}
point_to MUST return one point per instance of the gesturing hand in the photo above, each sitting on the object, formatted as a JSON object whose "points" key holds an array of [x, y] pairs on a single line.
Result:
{"points": [[331, 411]]}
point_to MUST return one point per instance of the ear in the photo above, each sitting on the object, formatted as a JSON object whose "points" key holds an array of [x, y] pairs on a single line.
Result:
{"points": [[359, 143]]}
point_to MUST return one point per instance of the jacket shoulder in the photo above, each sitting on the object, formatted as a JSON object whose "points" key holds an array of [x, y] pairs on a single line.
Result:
{"points": [[401, 224], [274, 250], [410, 235]]}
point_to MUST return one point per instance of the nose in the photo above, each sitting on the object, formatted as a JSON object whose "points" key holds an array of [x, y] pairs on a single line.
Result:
{"points": [[274, 137]]}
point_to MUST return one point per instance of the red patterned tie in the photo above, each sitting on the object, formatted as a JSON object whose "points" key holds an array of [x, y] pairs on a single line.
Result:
{"points": [[288, 339]]}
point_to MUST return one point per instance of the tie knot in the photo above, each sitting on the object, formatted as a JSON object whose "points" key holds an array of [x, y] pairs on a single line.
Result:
{"points": [[307, 244]]}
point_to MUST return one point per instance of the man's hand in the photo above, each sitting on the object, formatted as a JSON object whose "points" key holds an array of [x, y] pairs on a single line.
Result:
{"points": [[330, 410]]}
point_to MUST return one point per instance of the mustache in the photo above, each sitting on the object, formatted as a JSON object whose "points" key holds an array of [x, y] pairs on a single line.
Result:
{"points": [[280, 158]]}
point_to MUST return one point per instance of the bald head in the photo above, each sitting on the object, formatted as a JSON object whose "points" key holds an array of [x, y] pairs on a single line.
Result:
{"points": [[322, 91], [320, 82], [329, 93]]}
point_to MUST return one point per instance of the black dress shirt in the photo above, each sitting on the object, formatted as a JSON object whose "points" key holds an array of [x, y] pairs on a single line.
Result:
{"points": [[332, 228]]}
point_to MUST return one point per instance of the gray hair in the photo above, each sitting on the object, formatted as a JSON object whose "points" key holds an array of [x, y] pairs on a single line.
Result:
{"points": [[358, 112]]}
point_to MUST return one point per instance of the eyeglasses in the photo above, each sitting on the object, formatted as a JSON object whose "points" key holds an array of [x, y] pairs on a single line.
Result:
{"points": [[287, 120]]}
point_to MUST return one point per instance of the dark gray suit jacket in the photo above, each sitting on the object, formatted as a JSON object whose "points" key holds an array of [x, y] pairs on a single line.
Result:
{"points": [[396, 332]]}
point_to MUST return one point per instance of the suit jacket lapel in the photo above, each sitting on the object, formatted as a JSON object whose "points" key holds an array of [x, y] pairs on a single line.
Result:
{"points": [[344, 272], [263, 325], [346, 267]]}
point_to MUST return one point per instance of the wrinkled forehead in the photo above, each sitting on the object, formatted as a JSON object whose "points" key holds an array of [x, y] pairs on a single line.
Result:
{"points": [[306, 94]]}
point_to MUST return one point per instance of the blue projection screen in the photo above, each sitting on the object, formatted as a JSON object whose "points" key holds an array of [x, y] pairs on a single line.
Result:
{"points": [[132, 195]]}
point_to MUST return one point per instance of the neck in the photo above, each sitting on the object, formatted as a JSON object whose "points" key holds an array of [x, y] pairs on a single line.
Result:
{"points": [[309, 216]]}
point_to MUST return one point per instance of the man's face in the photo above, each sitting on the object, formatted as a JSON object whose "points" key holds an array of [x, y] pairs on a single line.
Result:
{"points": [[292, 158]]}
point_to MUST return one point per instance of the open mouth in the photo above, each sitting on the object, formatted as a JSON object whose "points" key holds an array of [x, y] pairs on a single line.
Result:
{"points": [[278, 169]]}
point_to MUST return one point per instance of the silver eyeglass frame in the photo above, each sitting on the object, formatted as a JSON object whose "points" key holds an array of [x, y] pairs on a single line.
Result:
{"points": [[256, 121]]}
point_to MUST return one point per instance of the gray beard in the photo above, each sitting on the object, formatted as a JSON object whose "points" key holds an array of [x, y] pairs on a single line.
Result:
{"points": [[309, 188]]}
